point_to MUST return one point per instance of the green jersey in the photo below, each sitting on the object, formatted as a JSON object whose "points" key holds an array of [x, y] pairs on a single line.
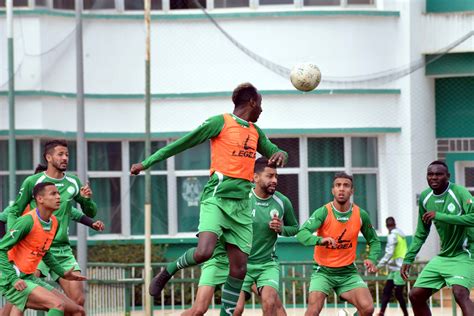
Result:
{"points": [[68, 187], [306, 234], [453, 214], [20, 228], [264, 239], [225, 187]]}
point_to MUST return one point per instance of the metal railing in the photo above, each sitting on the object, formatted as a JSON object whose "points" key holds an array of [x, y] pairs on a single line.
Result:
{"points": [[118, 289]]}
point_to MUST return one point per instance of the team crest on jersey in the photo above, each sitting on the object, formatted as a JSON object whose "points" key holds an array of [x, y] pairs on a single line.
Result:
{"points": [[191, 191], [451, 207], [274, 213], [71, 190]]}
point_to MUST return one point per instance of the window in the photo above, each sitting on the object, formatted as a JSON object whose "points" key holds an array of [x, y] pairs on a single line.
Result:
{"points": [[159, 189], [186, 4], [159, 205], [104, 156], [321, 2], [230, 3], [275, 2], [107, 196], [4, 184], [16, 3], [99, 4], [24, 154], [198, 157], [189, 194], [139, 5], [288, 185], [292, 147], [326, 152], [63, 4]]}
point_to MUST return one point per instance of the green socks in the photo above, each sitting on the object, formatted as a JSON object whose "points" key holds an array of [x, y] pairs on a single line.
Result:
{"points": [[55, 312], [230, 295], [186, 260]]}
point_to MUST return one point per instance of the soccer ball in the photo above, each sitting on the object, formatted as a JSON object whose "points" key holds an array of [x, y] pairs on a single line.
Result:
{"points": [[305, 77]]}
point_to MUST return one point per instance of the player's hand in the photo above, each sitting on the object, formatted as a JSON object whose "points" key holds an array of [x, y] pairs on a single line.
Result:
{"points": [[278, 159], [136, 168], [86, 191], [370, 266], [276, 224], [98, 226], [405, 271], [73, 276], [20, 285], [328, 241], [428, 217]]}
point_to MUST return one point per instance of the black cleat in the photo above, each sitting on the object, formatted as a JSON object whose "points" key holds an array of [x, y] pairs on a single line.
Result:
{"points": [[158, 283]]}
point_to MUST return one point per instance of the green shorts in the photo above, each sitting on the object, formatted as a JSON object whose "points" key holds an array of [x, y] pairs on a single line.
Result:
{"points": [[265, 274], [20, 298], [214, 272], [396, 277], [229, 219], [322, 280], [66, 259], [442, 271]]}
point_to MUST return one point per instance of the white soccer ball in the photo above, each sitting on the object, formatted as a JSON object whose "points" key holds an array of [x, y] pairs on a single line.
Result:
{"points": [[305, 76]]}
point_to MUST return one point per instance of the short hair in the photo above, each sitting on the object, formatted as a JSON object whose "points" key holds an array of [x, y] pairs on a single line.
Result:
{"points": [[39, 188], [261, 163], [439, 162], [390, 221], [342, 175], [51, 144], [244, 93]]}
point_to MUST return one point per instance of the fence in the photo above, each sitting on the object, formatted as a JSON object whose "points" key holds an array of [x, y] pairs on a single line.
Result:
{"points": [[118, 289]]}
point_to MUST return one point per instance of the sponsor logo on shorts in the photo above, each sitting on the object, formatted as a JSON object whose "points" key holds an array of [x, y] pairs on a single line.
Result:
{"points": [[458, 277]]}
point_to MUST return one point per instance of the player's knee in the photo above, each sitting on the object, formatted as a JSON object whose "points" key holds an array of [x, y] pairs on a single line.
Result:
{"points": [[269, 304], [237, 270], [414, 296], [80, 300], [460, 293], [367, 308], [203, 254], [57, 303]]}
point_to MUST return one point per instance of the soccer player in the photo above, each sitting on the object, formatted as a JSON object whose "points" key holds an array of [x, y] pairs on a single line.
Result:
{"points": [[21, 249], [337, 225], [70, 189], [224, 210], [395, 251], [450, 207], [273, 215]]}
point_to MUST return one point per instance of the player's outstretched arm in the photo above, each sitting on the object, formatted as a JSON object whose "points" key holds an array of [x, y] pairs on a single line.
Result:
{"points": [[207, 130]]}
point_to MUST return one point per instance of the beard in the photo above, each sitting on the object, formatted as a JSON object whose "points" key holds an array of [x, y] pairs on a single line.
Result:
{"points": [[60, 166]]}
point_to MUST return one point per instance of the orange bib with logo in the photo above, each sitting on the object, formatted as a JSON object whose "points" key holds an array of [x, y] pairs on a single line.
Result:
{"points": [[345, 235], [27, 254], [234, 150]]}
